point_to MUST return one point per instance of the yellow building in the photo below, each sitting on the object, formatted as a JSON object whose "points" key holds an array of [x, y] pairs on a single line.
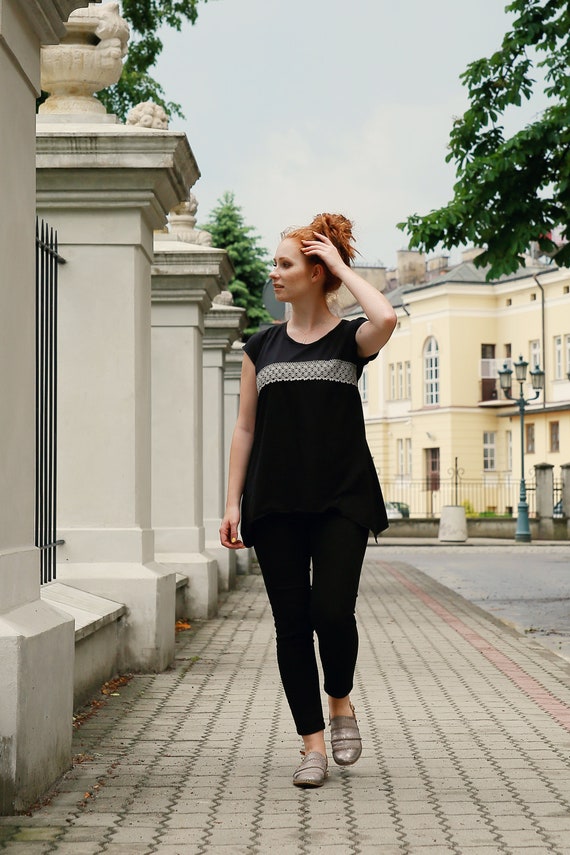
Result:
{"points": [[439, 427]]}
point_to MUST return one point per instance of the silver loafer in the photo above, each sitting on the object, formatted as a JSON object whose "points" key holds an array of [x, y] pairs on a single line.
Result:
{"points": [[345, 739], [312, 771]]}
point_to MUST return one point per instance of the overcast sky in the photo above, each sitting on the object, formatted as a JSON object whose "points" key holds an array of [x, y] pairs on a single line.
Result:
{"points": [[338, 105]]}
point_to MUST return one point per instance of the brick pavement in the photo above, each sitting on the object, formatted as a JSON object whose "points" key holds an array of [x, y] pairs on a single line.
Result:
{"points": [[466, 729]]}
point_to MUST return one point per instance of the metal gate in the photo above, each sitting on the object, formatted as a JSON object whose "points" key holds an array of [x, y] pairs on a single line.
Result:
{"points": [[47, 262]]}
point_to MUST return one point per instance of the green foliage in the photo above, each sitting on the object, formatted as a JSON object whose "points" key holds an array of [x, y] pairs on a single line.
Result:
{"points": [[145, 18], [469, 509], [250, 261], [512, 191]]}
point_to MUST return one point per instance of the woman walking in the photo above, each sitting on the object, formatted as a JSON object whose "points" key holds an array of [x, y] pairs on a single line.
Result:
{"points": [[302, 485]]}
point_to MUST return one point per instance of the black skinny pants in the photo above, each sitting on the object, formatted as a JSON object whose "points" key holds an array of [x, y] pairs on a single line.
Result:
{"points": [[286, 546]]}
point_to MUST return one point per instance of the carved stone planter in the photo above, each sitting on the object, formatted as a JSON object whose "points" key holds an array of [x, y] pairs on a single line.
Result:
{"points": [[88, 59]]}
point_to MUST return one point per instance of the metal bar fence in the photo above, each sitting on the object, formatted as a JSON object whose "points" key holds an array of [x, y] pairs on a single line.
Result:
{"points": [[491, 496], [47, 261], [557, 511]]}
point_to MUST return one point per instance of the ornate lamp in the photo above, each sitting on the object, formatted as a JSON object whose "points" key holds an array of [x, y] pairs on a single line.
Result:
{"points": [[522, 533]]}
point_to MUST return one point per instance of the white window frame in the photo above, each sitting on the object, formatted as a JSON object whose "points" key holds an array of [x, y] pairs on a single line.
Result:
{"points": [[408, 455], [400, 372], [534, 353], [567, 348], [400, 456], [431, 372], [489, 451], [558, 357], [408, 372], [392, 372], [509, 451]]}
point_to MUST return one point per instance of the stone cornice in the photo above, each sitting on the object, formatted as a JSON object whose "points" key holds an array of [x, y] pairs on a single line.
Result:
{"points": [[222, 326], [233, 363], [181, 271], [47, 17], [106, 163]]}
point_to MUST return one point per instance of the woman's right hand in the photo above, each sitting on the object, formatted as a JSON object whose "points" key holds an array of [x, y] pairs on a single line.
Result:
{"points": [[229, 530]]}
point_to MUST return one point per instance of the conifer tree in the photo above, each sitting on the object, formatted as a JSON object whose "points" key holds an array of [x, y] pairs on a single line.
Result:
{"points": [[250, 260]]}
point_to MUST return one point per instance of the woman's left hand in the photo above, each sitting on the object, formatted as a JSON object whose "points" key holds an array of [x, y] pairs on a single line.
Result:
{"points": [[327, 252]]}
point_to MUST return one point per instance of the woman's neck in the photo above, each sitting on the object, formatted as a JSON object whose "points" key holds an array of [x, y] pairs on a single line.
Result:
{"points": [[307, 327], [309, 317]]}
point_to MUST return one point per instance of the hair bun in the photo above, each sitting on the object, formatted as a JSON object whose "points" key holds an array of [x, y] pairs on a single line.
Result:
{"points": [[338, 229]]}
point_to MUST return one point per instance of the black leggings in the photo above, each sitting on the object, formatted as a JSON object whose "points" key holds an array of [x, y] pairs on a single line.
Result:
{"points": [[286, 545]]}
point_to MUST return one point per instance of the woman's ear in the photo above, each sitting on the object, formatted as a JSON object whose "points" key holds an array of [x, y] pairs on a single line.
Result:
{"points": [[318, 272]]}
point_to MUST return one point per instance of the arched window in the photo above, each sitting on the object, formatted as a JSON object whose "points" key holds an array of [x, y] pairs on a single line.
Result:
{"points": [[431, 372]]}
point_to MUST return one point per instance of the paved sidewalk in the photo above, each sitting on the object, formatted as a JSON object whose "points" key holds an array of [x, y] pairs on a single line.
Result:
{"points": [[466, 726]]}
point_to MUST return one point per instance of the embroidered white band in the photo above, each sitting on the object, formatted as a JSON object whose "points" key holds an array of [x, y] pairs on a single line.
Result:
{"points": [[336, 370]]}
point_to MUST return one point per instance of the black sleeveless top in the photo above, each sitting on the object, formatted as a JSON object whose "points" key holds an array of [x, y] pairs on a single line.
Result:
{"points": [[309, 452]]}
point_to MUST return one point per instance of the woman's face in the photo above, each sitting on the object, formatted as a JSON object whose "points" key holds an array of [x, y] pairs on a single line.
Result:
{"points": [[293, 273]]}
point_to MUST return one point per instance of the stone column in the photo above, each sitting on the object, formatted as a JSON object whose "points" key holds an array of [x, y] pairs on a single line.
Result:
{"points": [[232, 376], [544, 474], [223, 326], [36, 641], [107, 187], [185, 280]]}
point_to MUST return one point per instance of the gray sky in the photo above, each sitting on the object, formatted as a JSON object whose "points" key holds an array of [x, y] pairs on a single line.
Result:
{"points": [[315, 105]]}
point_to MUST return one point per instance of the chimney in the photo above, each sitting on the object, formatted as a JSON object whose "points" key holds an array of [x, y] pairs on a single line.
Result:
{"points": [[411, 267]]}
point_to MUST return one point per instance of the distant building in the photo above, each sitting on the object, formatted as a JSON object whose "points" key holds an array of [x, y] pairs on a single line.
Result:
{"points": [[432, 400]]}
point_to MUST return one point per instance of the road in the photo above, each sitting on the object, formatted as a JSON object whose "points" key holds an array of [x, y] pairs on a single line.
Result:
{"points": [[527, 585]]}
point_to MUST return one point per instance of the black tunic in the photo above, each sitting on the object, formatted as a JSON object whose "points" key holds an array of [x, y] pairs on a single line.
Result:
{"points": [[309, 451]]}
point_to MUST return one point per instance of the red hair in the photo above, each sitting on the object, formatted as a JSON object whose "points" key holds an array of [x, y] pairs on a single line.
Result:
{"points": [[338, 229]]}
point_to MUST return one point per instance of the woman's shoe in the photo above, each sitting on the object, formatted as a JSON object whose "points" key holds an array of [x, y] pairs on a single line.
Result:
{"points": [[345, 739], [312, 771]]}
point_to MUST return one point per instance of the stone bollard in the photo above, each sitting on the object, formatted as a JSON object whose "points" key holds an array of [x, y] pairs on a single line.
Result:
{"points": [[452, 524]]}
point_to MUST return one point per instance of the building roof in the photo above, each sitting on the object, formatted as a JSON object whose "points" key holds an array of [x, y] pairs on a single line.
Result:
{"points": [[467, 273]]}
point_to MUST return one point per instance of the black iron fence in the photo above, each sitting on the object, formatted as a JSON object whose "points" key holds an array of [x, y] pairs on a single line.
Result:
{"points": [[47, 261], [558, 510], [496, 495]]}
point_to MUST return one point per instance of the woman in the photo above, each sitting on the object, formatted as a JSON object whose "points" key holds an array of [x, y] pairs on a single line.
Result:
{"points": [[302, 484]]}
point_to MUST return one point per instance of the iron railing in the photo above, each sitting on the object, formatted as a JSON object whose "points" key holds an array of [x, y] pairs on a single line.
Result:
{"points": [[47, 261], [558, 510], [494, 494]]}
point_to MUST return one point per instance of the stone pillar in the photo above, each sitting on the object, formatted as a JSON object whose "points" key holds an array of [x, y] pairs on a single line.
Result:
{"points": [[544, 474], [36, 640], [185, 280], [106, 187], [452, 524], [232, 376], [223, 326]]}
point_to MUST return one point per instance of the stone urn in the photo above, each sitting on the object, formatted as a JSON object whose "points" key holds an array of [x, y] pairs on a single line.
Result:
{"points": [[88, 59], [182, 223]]}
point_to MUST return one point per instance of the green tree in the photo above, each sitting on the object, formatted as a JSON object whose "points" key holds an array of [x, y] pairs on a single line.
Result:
{"points": [[250, 261], [510, 191], [137, 84]]}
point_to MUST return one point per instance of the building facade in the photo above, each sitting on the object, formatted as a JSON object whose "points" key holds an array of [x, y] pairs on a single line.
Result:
{"points": [[440, 429]]}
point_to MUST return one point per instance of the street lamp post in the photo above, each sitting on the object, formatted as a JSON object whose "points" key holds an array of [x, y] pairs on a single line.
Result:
{"points": [[522, 534]]}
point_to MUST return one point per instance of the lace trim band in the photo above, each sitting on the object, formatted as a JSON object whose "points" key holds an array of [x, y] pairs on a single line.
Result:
{"points": [[336, 370]]}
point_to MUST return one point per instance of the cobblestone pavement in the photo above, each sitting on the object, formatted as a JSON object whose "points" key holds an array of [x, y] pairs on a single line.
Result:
{"points": [[466, 728], [526, 585]]}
